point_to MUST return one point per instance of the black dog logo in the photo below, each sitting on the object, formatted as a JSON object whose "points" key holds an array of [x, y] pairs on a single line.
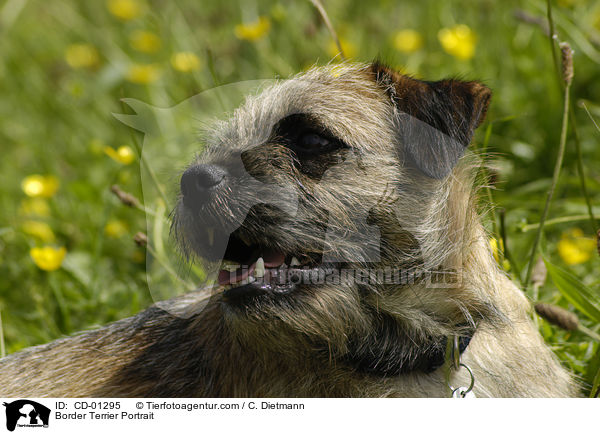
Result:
{"points": [[27, 413]]}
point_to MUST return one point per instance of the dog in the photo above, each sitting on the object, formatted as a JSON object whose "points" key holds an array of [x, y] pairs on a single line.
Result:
{"points": [[340, 205]]}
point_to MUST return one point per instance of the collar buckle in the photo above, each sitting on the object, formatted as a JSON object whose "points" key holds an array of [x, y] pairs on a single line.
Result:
{"points": [[453, 363]]}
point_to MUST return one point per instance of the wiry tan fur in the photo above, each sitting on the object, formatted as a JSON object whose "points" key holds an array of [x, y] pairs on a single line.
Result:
{"points": [[300, 348]]}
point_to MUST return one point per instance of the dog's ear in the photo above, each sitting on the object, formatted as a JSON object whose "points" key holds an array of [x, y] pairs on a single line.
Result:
{"points": [[437, 119]]}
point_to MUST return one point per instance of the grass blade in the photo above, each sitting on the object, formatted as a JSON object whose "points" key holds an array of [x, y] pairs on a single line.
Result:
{"points": [[574, 291], [592, 375]]}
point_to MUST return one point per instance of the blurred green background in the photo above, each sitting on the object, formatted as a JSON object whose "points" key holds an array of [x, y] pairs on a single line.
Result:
{"points": [[67, 257]]}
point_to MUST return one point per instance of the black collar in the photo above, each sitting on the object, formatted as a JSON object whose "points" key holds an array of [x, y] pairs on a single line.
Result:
{"points": [[391, 350], [436, 359]]}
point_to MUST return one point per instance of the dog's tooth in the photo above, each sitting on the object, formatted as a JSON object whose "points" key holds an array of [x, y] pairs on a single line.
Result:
{"points": [[210, 232], [259, 268], [294, 262]]}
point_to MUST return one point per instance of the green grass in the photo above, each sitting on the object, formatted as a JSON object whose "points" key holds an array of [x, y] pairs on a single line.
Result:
{"points": [[56, 119]]}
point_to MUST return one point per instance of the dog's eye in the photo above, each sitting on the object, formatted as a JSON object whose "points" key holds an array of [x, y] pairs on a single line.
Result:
{"points": [[312, 142]]}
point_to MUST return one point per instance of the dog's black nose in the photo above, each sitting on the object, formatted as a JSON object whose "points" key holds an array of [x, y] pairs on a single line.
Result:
{"points": [[199, 181]]}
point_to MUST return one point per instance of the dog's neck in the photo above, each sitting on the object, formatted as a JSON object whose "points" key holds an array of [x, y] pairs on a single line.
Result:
{"points": [[413, 322]]}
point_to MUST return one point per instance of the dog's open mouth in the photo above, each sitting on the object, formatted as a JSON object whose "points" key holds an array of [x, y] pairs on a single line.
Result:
{"points": [[249, 269]]}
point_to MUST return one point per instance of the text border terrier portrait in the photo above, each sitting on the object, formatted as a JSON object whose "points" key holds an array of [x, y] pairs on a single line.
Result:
{"points": [[340, 206]]}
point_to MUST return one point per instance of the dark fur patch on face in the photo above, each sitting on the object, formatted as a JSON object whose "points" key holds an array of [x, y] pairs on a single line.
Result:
{"points": [[315, 149], [452, 108]]}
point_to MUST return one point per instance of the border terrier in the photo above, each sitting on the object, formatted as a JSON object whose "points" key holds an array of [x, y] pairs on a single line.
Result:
{"points": [[333, 201]]}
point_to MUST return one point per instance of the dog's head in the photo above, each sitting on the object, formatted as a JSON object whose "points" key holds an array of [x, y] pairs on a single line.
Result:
{"points": [[340, 167]]}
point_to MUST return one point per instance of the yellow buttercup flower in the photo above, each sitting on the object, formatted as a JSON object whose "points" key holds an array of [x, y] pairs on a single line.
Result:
{"points": [[253, 31], [408, 40], [115, 228], [146, 42], [185, 61], [125, 9], [39, 230], [498, 247], [82, 56], [494, 245], [143, 74], [40, 186], [48, 258], [348, 47], [459, 41], [123, 154], [574, 248], [36, 206]]}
